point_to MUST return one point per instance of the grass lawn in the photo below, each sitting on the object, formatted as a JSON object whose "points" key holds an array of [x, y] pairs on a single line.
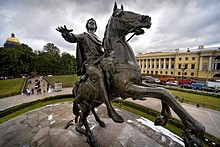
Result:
{"points": [[66, 80], [10, 87], [203, 100]]}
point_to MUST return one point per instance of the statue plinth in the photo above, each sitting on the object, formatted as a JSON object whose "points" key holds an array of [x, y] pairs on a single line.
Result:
{"points": [[45, 127]]}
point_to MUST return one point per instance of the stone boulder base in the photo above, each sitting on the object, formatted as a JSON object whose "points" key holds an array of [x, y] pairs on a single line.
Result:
{"points": [[45, 127]]}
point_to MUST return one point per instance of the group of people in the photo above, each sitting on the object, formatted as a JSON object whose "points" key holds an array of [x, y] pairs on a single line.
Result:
{"points": [[37, 87]]}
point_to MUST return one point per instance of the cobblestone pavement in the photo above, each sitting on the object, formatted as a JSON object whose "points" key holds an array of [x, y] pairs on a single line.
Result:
{"points": [[45, 127]]}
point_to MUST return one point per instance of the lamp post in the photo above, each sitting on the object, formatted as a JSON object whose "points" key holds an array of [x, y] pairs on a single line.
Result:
{"points": [[207, 76], [183, 69]]}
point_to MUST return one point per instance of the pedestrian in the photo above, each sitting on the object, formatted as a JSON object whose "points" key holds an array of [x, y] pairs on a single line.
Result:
{"points": [[182, 101], [32, 91]]}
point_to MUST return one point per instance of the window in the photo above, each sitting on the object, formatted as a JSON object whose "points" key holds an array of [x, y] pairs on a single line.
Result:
{"points": [[157, 65], [186, 66], [186, 58], [162, 59], [156, 72], [162, 66], [166, 72], [152, 66], [193, 58], [171, 72], [204, 66], [167, 59], [179, 66], [180, 59], [137, 60], [185, 73], [173, 59], [167, 66], [147, 72], [179, 73], [161, 72], [192, 73], [172, 66], [152, 72], [157, 59], [192, 66]]}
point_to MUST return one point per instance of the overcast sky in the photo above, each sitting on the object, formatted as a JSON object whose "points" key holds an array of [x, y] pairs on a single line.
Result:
{"points": [[175, 23]]}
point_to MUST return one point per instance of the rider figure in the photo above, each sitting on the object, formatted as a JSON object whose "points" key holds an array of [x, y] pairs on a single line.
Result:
{"points": [[89, 49]]}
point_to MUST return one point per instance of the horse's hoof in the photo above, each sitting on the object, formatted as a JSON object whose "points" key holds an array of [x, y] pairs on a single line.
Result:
{"points": [[92, 142], [116, 117], [102, 124], [160, 121], [191, 139]]}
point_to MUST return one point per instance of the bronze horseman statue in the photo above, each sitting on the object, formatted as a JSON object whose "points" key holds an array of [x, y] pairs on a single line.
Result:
{"points": [[115, 73]]}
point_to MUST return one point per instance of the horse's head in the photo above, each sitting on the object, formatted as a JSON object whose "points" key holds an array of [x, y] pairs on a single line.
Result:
{"points": [[124, 22]]}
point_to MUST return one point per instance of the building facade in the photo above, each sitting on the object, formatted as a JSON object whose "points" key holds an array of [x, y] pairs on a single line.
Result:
{"points": [[201, 63]]}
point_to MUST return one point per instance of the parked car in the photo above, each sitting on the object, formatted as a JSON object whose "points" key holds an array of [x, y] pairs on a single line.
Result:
{"points": [[172, 83], [167, 79], [209, 89], [150, 79], [184, 81], [199, 86], [187, 86]]}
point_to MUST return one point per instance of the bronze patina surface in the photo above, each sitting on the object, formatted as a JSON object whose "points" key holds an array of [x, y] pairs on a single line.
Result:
{"points": [[120, 77]]}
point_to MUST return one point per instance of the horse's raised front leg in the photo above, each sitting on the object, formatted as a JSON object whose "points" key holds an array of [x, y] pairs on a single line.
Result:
{"points": [[165, 115], [194, 129]]}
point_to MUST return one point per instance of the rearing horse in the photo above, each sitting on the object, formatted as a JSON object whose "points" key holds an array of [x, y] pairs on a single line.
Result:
{"points": [[124, 79]]}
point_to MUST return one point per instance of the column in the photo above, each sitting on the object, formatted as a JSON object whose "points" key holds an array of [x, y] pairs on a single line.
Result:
{"points": [[146, 63], [155, 65], [159, 63], [139, 62], [169, 63], [200, 64], [164, 63], [210, 63]]}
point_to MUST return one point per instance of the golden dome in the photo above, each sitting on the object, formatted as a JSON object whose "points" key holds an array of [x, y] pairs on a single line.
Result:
{"points": [[13, 39]]}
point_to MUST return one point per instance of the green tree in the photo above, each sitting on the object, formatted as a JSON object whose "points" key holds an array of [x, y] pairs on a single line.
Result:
{"points": [[67, 64], [16, 60], [51, 49]]}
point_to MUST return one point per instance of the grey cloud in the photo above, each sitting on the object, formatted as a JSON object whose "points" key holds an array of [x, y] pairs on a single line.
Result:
{"points": [[175, 23]]}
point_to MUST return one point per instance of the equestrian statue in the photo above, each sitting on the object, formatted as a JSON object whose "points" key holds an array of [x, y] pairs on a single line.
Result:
{"points": [[109, 70]]}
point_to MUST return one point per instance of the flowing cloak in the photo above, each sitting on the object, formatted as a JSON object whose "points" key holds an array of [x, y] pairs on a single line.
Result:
{"points": [[91, 40]]}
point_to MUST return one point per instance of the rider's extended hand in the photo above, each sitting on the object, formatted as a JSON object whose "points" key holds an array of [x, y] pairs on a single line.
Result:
{"points": [[64, 30]]}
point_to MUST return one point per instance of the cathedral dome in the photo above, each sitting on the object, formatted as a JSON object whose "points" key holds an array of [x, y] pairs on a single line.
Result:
{"points": [[12, 41]]}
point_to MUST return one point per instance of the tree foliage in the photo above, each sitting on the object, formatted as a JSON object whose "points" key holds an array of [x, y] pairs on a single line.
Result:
{"points": [[23, 60]]}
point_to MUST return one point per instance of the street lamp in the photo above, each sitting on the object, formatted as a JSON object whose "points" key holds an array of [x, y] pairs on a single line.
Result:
{"points": [[183, 69]]}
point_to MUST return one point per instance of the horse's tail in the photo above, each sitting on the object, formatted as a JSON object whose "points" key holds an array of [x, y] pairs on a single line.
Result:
{"points": [[75, 105]]}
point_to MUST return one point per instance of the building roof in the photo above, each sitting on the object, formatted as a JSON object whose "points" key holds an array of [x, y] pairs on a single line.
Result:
{"points": [[13, 39]]}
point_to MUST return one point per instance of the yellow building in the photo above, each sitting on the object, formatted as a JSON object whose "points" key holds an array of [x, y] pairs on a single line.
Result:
{"points": [[201, 63]]}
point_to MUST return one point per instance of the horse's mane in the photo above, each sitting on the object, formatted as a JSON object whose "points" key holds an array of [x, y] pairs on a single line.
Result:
{"points": [[106, 27]]}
